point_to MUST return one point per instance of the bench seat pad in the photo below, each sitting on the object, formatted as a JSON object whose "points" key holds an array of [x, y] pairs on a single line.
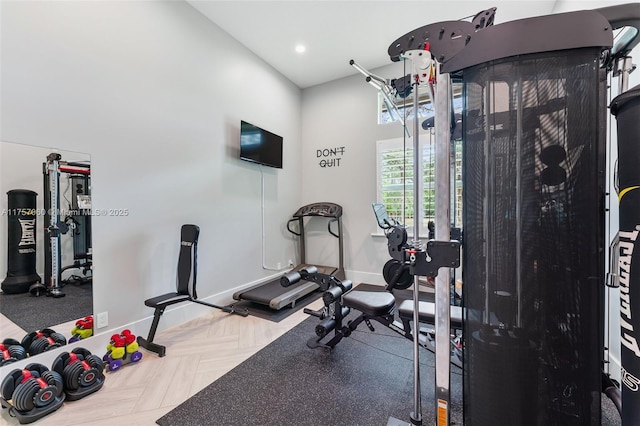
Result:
{"points": [[166, 300], [374, 303], [427, 313]]}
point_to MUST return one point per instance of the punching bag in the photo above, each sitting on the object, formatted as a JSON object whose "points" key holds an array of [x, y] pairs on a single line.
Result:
{"points": [[21, 242], [626, 108]]}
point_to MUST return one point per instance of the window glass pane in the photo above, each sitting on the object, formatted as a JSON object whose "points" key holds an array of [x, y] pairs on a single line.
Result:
{"points": [[395, 165], [395, 180]]}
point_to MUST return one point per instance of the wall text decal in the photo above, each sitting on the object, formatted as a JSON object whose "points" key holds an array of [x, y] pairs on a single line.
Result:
{"points": [[330, 157]]}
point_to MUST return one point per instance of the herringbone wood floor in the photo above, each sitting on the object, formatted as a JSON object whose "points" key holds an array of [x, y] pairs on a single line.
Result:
{"points": [[198, 353]]}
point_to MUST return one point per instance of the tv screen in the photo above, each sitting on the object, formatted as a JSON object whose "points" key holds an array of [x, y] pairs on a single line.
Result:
{"points": [[260, 146]]}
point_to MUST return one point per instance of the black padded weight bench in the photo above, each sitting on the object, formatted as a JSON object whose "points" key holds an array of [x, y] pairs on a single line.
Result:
{"points": [[381, 307], [185, 288], [427, 313]]}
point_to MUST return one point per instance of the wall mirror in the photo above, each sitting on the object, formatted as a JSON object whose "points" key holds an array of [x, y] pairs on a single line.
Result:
{"points": [[44, 293]]}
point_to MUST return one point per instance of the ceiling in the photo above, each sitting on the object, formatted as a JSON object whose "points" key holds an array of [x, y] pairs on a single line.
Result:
{"points": [[335, 32]]}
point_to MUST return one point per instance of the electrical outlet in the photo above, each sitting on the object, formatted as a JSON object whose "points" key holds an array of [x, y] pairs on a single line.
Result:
{"points": [[291, 263], [279, 266], [102, 320]]}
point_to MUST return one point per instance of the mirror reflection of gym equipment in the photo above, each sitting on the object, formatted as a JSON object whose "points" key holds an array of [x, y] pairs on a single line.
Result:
{"points": [[76, 220], [29, 291]]}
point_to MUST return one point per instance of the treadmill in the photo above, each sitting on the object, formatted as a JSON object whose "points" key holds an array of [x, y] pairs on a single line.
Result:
{"points": [[271, 293]]}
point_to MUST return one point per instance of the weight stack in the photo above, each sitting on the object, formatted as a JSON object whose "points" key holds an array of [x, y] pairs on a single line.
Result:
{"points": [[533, 178], [505, 372], [626, 108], [21, 241]]}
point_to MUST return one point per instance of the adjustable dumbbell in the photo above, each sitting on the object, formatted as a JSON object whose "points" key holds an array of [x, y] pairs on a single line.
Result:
{"points": [[11, 351], [37, 342], [33, 387], [79, 368]]}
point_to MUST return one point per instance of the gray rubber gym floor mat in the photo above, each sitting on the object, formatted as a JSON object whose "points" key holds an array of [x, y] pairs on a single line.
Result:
{"points": [[365, 380], [34, 313]]}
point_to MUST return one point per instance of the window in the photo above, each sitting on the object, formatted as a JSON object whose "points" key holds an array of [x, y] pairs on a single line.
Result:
{"points": [[395, 165], [395, 180], [425, 109], [405, 108]]}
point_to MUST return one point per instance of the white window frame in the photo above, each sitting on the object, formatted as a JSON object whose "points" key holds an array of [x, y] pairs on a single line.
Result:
{"points": [[427, 143], [398, 144]]}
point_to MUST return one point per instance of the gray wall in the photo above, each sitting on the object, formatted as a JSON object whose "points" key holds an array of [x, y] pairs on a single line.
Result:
{"points": [[155, 92], [343, 113]]}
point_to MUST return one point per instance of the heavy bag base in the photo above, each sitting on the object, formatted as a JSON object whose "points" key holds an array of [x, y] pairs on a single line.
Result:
{"points": [[20, 284]]}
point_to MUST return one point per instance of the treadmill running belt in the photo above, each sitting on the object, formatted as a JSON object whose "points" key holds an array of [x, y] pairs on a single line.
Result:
{"points": [[269, 291]]}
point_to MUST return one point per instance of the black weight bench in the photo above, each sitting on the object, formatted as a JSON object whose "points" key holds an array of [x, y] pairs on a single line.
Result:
{"points": [[381, 307], [427, 313], [371, 303], [378, 303], [185, 288]]}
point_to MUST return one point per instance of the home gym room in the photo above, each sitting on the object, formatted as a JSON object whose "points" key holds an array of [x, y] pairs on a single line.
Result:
{"points": [[154, 98]]}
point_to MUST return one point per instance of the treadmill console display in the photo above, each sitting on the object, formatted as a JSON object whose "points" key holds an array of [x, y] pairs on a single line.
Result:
{"points": [[319, 209]]}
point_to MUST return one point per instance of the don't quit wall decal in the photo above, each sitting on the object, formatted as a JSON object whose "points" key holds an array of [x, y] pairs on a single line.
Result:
{"points": [[330, 157]]}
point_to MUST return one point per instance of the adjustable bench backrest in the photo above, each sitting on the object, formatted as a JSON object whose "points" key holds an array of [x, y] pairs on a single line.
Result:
{"points": [[185, 287], [187, 260]]}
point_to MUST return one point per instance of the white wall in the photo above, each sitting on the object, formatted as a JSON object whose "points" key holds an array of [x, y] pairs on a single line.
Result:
{"points": [[154, 92], [343, 113]]}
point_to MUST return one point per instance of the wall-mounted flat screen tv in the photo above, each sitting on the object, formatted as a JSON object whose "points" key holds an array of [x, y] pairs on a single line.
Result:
{"points": [[260, 146]]}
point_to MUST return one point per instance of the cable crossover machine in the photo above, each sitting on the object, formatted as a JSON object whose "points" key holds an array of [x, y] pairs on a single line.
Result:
{"points": [[77, 219], [534, 166]]}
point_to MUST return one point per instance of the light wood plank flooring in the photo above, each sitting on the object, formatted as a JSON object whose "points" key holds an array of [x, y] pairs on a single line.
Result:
{"points": [[198, 353]]}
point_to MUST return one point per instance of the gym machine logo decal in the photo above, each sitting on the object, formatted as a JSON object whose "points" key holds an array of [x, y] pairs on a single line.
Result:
{"points": [[330, 156], [28, 234], [627, 244]]}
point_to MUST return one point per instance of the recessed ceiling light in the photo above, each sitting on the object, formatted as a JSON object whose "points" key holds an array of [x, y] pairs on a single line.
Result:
{"points": [[300, 48]]}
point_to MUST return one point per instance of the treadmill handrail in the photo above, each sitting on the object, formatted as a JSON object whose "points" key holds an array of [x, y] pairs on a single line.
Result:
{"points": [[329, 228], [325, 209], [291, 230]]}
